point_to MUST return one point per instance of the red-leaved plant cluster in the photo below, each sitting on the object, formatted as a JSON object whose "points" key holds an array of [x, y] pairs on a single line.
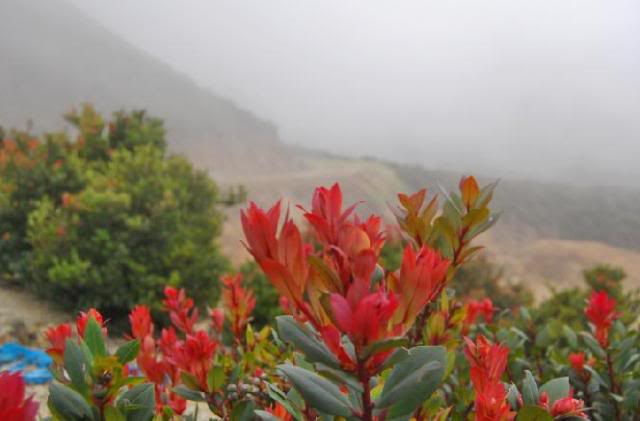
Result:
{"points": [[359, 341]]}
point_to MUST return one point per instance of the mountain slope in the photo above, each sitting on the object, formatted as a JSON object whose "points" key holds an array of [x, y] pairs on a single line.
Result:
{"points": [[53, 57]]}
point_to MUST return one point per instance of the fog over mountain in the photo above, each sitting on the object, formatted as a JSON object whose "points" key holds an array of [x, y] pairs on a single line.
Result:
{"points": [[53, 56], [511, 88]]}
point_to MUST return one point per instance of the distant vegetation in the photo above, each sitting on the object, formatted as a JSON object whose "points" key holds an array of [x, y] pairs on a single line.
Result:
{"points": [[609, 215], [107, 218]]}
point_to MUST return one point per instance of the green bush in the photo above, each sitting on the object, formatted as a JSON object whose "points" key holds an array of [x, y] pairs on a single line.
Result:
{"points": [[565, 307], [109, 219]]}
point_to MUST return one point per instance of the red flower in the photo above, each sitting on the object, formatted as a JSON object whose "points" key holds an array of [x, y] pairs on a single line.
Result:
{"points": [[166, 398], [217, 319], [488, 362], [577, 361], [475, 309], [568, 407], [371, 226], [13, 405], [365, 321], [67, 199], [283, 256], [238, 303], [285, 305], [601, 313], [57, 337], [491, 404], [422, 277], [326, 216], [61, 231], [140, 320], [154, 369], [182, 313], [279, 412], [195, 356], [33, 144], [178, 404], [331, 338], [169, 341], [10, 144], [83, 319], [260, 230]]}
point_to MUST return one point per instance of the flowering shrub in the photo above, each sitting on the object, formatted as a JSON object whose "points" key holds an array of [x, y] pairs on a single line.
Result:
{"points": [[107, 217], [357, 341]]}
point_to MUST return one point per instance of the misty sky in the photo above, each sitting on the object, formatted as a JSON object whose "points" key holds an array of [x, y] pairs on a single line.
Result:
{"points": [[549, 88]]}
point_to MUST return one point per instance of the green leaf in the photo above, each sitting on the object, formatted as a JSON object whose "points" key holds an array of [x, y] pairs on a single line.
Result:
{"points": [[317, 391], [128, 351], [300, 337], [88, 356], [243, 411], [111, 413], [76, 365], [266, 416], [189, 380], [595, 377], [396, 356], [340, 377], [413, 380], [215, 378], [512, 396], [138, 403], [384, 345], [189, 394], [68, 403], [533, 413], [94, 338], [280, 397], [493, 219], [474, 218], [452, 197], [571, 336], [593, 345], [556, 389], [631, 360], [530, 394], [452, 215], [486, 194]]}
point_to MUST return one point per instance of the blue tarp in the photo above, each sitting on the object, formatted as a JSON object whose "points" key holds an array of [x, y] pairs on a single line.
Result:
{"points": [[31, 362]]}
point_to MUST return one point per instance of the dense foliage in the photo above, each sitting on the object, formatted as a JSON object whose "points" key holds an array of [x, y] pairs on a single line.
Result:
{"points": [[359, 341], [107, 218]]}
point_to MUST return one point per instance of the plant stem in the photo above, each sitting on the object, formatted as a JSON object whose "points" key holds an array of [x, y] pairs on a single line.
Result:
{"points": [[365, 379], [614, 384]]}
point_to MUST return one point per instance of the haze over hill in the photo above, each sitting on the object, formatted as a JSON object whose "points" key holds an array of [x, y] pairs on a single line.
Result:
{"points": [[509, 88], [53, 56]]}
